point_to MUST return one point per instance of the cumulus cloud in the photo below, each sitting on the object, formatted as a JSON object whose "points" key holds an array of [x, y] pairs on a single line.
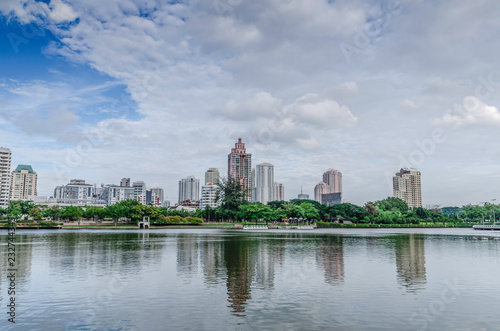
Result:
{"points": [[61, 12], [408, 104], [472, 112], [322, 114], [269, 71]]}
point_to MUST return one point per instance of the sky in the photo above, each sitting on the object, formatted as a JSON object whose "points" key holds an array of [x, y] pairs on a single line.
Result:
{"points": [[161, 90]]}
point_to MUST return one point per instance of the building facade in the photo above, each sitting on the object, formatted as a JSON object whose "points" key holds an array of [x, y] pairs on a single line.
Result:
{"points": [[333, 179], [114, 194], [140, 191], [239, 164], [76, 192], [212, 176], [319, 190], [264, 181], [189, 189], [23, 183], [155, 196], [331, 199], [5, 176], [407, 186], [208, 196], [279, 191], [125, 182]]}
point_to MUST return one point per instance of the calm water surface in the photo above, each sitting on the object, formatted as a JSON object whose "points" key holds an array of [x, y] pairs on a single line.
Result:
{"points": [[331, 279]]}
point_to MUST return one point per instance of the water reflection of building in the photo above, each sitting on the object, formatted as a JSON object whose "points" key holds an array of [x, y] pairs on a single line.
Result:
{"points": [[410, 261], [240, 266], [212, 258], [264, 268], [330, 256], [187, 254], [78, 253]]}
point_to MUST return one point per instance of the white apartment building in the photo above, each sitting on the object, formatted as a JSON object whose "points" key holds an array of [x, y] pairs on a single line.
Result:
{"points": [[208, 195], [140, 192], [278, 191], [407, 186], [5, 176], [155, 196], [113, 194], [77, 189], [212, 175], [23, 183], [189, 189], [264, 181]]}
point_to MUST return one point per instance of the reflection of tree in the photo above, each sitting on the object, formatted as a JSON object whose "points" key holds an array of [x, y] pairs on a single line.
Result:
{"points": [[410, 261], [240, 272], [330, 255]]}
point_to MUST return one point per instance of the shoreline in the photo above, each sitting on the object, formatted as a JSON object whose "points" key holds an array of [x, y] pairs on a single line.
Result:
{"points": [[229, 227]]}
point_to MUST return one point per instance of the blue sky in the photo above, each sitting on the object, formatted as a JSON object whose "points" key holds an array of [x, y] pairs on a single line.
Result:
{"points": [[157, 91]]}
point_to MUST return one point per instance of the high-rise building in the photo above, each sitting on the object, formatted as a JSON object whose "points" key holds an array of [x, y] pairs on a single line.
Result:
{"points": [[5, 159], [155, 196], [23, 183], [189, 189], [264, 180], [140, 192], [125, 182], [278, 191], [208, 195], [333, 179], [407, 186], [320, 189], [212, 176], [239, 164]]}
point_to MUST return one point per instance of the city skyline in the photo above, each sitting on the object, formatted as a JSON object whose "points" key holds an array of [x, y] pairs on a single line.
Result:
{"points": [[365, 87]]}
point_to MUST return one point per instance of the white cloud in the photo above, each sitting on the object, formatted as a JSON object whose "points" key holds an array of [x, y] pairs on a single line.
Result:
{"points": [[408, 104], [472, 112], [61, 12], [269, 71]]}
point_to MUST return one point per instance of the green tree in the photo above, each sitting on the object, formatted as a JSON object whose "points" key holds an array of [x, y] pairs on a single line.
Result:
{"points": [[13, 211], [72, 213], [231, 194], [53, 212], [310, 211], [391, 203], [93, 212], [36, 213]]}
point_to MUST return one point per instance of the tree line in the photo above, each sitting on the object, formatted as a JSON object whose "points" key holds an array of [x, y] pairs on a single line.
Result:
{"points": [[234, 207]]}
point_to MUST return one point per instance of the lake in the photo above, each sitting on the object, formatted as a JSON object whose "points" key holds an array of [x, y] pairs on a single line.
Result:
{"points": [[210, 279]]}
